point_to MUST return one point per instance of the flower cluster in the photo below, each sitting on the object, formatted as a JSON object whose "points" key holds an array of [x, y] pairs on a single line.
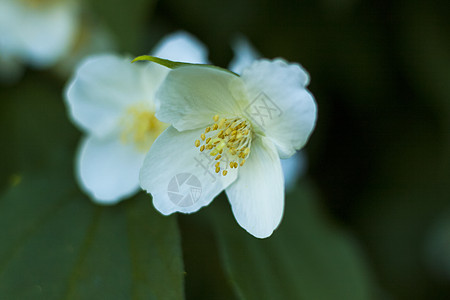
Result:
{"points": [[185, 132], [113, 102]]}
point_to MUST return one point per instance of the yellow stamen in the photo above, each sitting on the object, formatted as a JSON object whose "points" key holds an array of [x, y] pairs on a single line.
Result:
{"points": [[227, 139], [140, 127], [221, 123]]}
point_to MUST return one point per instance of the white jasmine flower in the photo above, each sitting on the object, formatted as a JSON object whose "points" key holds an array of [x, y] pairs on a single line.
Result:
{"points": [[112, 101], [229, 132], [38, 32], [244, 55]]}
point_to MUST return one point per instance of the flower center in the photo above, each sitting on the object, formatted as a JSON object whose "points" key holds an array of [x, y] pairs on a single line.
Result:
{"points": [[228, 141], [141, 127]]}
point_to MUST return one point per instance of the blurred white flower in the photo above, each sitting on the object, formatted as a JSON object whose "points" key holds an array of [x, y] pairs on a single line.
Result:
{"points": [[229, 132], [37, 32], [112, 101], [244, 55]]}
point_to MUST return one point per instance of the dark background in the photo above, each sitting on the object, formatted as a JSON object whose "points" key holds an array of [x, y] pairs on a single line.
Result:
{"points": [[378, 160]]}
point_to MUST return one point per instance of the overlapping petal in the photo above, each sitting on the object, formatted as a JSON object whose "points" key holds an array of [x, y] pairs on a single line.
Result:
{"points": [[293, 168], [244, 54], [190, 96], [179, 176], [257, 196], [181, 46], [100, 91], [280, 105], [107, 169]]}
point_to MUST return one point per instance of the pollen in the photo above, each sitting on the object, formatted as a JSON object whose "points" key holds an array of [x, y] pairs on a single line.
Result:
{"points": [[140, 127], [227, 141]]}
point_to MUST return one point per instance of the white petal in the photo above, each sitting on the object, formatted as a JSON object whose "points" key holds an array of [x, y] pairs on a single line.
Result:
{"points": [[280, 105], [244, 54], [45, 34], [108, 170], [180, 177], [190, 96], [181, 46], [102, 88], [257, 196], [293, 168]]}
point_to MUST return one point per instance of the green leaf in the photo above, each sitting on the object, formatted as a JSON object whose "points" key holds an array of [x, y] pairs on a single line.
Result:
{"points": [[305, 258], [175, 64], [55, 243]]}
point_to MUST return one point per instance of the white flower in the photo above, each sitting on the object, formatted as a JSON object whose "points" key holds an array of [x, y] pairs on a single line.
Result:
{"points": [[112, 101], [244, 55], [38, 32], [229, 132]]}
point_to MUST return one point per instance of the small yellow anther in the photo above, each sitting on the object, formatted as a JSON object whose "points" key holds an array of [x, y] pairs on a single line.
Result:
{"points": [[207, 140], [235, 164], [217, 170], [209, 147], [215, 127], [242, 162], [197, 143], [224, 172], [203, 136], [214, 152], [218, 157], [217, 164], [207, 129], [202, 148], [216, 118]]}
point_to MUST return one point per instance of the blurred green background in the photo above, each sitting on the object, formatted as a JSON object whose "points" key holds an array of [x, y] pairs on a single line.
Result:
{"points": [[369, 220]]}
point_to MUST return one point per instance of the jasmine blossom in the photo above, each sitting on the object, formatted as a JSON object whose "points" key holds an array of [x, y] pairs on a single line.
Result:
{"points": [[229, 133]]}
